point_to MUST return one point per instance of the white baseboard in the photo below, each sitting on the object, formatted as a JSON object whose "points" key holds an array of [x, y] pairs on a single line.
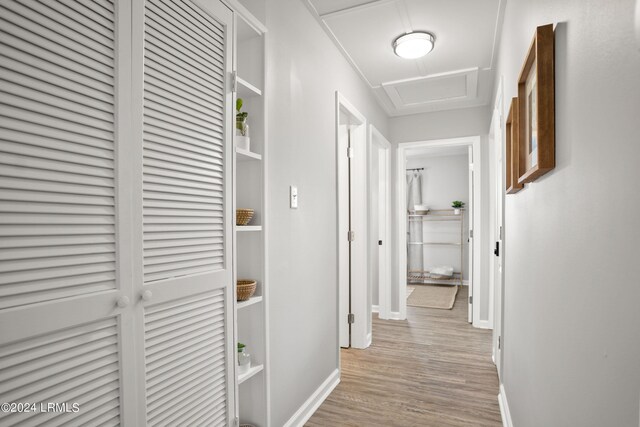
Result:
{"points": [[504, 408], [314, 401], [465, 283], [375, 309], [369, 340], [395, 315], [482, 324]]}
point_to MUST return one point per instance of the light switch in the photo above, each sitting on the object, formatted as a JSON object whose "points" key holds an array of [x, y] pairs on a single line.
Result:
{"points": [[293, 193]]}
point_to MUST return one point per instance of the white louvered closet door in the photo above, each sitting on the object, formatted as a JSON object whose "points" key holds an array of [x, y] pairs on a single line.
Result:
{"points": [[61, 269], [186, 276]]}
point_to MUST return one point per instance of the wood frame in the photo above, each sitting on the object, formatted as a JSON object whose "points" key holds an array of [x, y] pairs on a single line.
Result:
{"points": [[536, 108], [512, 156]]}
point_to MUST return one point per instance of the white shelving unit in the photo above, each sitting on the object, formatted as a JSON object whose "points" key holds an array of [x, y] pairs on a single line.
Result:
{"points": [[252, 325], [440, 216]]}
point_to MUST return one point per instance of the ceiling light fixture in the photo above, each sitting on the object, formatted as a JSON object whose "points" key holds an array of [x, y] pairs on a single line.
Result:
{"points": [[413, 45]]}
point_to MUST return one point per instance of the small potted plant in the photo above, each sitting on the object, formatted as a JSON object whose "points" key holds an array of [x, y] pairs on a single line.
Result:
{"points": [[457, 205], [242, 128], [244, 359]]}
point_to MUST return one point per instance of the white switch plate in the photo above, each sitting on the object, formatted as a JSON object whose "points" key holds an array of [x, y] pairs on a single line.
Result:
{"points": [[293, 197]]}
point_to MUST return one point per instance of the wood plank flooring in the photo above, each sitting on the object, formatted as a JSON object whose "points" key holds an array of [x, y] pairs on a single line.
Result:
{"points": [[434, 369]]}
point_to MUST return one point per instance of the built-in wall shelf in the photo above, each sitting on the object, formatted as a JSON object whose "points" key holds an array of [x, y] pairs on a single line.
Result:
{"points": [[250, 190], [254, 370], [249, 302], [246, 89], [247, 156], [248, 228]]}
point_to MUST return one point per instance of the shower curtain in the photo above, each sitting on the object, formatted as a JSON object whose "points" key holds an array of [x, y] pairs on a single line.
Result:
{"points": [[415, 258]]}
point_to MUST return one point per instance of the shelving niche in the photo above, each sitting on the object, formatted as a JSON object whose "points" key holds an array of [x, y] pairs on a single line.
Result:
{"points": [[250, 240]]}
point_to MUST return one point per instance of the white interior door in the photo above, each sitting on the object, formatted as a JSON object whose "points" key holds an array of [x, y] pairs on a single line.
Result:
{"points": [[352, 225], [186, 283], [343, 229], [115, 219], [65, 296], [471, 219], [499, 247]]}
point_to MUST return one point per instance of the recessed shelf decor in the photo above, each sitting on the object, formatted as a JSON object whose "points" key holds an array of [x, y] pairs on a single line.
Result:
{"points": [[250, 373]]}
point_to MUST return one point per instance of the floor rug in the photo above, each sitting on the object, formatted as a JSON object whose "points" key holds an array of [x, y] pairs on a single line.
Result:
{"points": [[433, 296]]}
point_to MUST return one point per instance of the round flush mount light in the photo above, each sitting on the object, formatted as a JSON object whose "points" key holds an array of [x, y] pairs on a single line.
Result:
{"points": [[413, 45]]}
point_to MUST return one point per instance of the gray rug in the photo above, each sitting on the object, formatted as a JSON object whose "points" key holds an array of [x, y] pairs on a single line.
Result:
{"points": [[432, 296]]}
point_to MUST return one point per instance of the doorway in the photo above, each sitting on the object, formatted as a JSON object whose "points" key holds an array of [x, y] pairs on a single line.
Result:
{"points": [[471, 236], [354, 312], [379, 244]]}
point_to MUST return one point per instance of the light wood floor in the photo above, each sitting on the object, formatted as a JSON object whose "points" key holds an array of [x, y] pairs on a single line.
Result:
{"points": [[432, 370]]}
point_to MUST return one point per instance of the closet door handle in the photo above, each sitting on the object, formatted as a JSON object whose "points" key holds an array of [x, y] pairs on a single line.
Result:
{"points": [[122, 302], [146, 295], [496, 251]]}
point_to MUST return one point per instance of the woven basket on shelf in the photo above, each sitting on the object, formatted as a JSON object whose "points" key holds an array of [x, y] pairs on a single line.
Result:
{"points": [[245, 289], [243, 216]]}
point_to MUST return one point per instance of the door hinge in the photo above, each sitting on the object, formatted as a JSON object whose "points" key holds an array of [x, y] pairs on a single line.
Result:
{"points": [[379, 242], [234, 81], [471, 234], [350, 152], [470, 299], [351, 318], [499, 342], [351, 235], [500, 235]]}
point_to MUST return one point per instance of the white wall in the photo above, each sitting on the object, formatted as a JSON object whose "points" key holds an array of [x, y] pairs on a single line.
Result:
{"points": [[304, 71], [445, 178], [440, 124], [572, 323]]}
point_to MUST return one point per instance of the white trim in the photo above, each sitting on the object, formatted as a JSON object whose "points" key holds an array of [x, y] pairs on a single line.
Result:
{"points": [[482, 324], [369, 339], [375, 309], [504, 408], [314, 401], [476, 275], [395, 315]]}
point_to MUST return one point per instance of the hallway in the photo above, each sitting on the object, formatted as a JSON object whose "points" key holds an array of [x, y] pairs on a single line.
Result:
{"points": [[433, 370]]}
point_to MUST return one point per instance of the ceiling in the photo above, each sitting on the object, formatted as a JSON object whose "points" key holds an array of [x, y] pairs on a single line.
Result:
{"points": [[458, 73]]}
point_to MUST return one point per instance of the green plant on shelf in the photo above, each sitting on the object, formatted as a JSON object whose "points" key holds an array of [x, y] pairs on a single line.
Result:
{"points": [[457, 204], [241, 118], [241, 346]]}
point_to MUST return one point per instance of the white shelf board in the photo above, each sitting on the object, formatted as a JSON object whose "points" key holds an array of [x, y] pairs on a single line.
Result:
{"points": [[248, 228], [246, 155], [250, 301], [252, 371], [246, 89]]}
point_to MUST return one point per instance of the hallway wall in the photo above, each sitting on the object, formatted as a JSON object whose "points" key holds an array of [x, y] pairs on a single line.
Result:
{"points": [[304, 70], [572, 324]]}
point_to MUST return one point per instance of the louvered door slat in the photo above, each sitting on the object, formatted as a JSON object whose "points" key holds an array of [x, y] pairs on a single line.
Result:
{"points": [[73, 365], [57, 164], [182, 339]]}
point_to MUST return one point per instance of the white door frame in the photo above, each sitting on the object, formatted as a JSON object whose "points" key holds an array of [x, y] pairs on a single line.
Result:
{"points": [[354, 268], [378, 141], [401, 210], [497, 220]]}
